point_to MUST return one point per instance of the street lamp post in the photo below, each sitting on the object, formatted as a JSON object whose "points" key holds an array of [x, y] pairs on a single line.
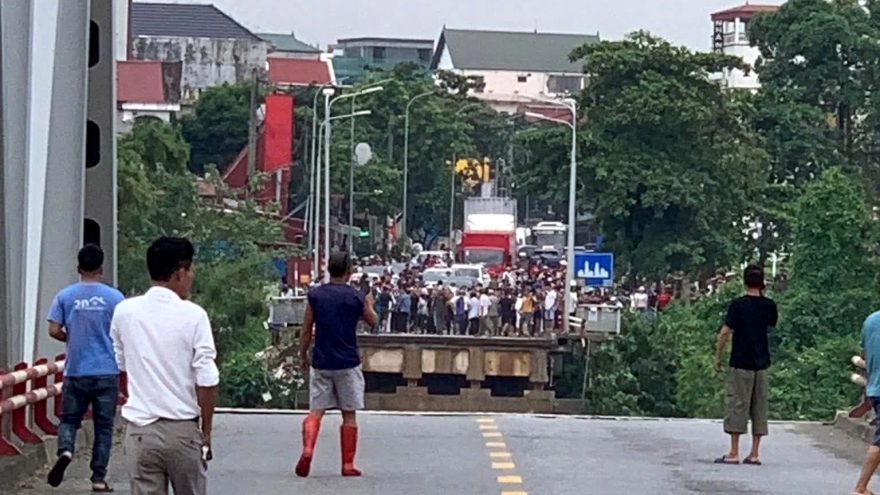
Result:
{"points": [[351, 166], [312, 205], [317, 242], [571, 105], [406, 156], [453, 173], [328, 105]]}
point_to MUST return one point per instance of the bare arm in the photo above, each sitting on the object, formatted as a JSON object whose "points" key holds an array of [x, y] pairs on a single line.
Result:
{"points": [[305, 334], [370, 316], [56, 331], [721, 344]]}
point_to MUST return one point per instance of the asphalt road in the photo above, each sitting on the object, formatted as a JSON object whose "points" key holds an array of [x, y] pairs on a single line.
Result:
{"points": [[511, 455]]}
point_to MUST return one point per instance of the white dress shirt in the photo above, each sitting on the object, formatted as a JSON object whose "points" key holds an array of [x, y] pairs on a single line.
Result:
{"points": [[166, 346]]}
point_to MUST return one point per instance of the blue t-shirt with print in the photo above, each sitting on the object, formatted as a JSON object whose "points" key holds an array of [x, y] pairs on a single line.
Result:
{"points": [[871, 345], [85, 310]]}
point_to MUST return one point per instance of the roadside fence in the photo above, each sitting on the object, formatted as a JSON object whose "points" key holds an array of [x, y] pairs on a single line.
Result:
{"points": [[24, 402]]}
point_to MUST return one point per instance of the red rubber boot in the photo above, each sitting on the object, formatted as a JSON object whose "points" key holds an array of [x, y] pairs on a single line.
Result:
{"points": [[348, 436], [310, 427]]}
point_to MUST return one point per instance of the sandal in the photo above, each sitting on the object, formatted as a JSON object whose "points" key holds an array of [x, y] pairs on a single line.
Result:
{"points": [[752, 462], [101, 487], [724, 460]]}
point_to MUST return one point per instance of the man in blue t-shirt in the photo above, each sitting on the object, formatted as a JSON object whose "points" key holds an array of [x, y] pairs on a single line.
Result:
{"points": [[871, 354], [335, 377], [80, 316]]}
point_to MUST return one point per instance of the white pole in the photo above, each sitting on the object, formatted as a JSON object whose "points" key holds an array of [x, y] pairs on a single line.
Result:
{"points": [[316, 224], [572, 218], [326, 184]]}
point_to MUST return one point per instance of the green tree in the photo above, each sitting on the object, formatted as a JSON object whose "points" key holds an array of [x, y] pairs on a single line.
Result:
{"points": [[437, 133], [671, 164], [158, 196], [217, 131], [833, 273], [823, 54]]}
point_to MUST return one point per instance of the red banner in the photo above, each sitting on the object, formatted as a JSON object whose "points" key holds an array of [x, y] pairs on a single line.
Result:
{"points": [[278, 132]]}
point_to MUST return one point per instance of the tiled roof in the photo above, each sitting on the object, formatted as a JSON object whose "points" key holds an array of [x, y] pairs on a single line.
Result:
{"points": [[743, 11], [185, 20], [298, 72], [139, 82], [287, 43], [511, 51]]}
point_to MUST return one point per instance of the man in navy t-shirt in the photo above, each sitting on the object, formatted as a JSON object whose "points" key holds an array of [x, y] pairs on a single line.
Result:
{"points": [[80, 316], [335, 378]]}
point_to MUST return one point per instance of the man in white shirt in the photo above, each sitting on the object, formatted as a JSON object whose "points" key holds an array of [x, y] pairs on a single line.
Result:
{"points": [[473, 314], [164, 343], [485, 302], [550, 309]]}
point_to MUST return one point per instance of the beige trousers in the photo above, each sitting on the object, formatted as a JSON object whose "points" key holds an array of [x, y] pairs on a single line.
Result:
{"points": [[166, 453]]}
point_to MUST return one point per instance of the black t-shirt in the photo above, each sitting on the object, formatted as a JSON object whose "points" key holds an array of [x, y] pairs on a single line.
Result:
{"points": [[751, 318], [506, 306]]}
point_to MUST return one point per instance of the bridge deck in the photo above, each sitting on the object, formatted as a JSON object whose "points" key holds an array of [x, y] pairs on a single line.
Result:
{"points": [[439, 455]]}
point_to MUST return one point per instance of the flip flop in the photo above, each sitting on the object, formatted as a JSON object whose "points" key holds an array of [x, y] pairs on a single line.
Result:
{"points": [[101, 487], [56, 475], [752, 462], [723, 460]]}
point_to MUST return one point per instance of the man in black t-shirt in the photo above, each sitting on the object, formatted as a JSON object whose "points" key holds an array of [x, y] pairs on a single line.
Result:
{"points": [[748, 321]]}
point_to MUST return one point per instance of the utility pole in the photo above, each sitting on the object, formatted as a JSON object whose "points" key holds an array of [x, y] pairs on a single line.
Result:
{"points": [[252, 135]]}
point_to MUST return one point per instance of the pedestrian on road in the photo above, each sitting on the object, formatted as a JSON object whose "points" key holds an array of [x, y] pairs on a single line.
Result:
{"points": [[748, 321], [165, 344], [80, 316], [335, 377], [871, 354]]}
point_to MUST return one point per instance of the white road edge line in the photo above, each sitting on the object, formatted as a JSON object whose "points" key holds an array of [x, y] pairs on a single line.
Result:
{"points": [[299, 412]]}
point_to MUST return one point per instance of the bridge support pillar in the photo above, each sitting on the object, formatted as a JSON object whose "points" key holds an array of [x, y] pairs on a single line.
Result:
{"points": [[46, 50]]}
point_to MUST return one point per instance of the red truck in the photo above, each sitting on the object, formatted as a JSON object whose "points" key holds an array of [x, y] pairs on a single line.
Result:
{"points": [[489, 235], [496, 250]]}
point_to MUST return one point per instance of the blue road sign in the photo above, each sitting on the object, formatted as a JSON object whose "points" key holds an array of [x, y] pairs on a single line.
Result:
{"points": [[597, 269]]}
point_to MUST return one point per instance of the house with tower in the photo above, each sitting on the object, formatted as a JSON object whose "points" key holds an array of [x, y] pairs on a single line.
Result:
{"points": [[730, 37]]}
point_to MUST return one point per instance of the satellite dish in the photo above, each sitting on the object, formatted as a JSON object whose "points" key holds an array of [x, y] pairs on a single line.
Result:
{"points": [[363, 153]]}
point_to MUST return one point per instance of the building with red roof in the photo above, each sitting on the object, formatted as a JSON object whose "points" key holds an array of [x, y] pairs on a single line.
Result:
{"points": [[288, 71], [146, 89]]}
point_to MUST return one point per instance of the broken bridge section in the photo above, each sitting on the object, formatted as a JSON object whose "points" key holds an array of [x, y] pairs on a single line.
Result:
{"points": [[407, 372]]}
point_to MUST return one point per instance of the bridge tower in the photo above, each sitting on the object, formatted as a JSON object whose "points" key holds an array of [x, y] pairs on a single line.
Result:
{"points": [[58, 158]]}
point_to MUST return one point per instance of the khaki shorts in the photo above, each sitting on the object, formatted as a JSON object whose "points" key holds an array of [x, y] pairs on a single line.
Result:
{"points": [[336, 389], [747, 396]]}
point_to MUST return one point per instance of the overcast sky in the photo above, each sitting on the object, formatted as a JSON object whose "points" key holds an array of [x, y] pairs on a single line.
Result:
{"points": [[324, 21]]}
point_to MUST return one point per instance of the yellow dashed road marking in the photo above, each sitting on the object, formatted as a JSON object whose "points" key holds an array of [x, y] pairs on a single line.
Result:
{"points": [[510, 479], [501, 458]]}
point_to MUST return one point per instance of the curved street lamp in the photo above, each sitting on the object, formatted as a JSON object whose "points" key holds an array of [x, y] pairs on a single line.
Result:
{"points": [[406, 155], [328, 106], [571, 105]]}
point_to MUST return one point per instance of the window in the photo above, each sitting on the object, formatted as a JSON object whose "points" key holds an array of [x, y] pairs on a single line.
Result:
{"points": [[378, 53], [522, 79], [480, 84], [564, 84]]}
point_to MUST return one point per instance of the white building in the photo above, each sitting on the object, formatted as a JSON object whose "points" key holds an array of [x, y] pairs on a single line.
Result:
{"points": [[730, 36], [513, 65]]}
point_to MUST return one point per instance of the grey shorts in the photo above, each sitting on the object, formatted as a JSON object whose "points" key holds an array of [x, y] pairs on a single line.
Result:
{"points": [[336, 389], [747, 397]]}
